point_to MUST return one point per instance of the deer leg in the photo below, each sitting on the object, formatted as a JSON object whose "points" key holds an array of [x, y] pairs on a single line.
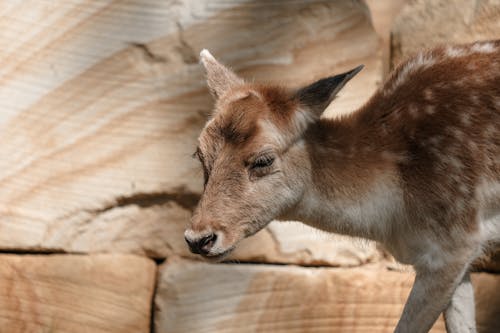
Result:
{"points": [[431, 293], [460, 313]]}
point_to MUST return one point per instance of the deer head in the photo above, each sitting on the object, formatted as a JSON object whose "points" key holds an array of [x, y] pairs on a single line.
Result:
{"points": [[253, 155]]}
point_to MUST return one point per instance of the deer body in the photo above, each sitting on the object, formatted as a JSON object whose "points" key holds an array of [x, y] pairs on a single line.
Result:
{"points": [[417, 168]]}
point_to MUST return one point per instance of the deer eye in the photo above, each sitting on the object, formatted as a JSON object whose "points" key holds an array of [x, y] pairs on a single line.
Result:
{"points": [[263, 162], [199, 155]]}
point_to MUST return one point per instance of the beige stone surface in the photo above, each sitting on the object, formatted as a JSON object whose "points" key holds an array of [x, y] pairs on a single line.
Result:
{"points": [[383, 14], [101, 104], [195, 297], [294, 242], [487, 297], [426, 23], [73, 293]]}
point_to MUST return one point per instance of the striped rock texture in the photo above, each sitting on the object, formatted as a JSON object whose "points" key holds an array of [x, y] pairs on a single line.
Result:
{"points": [[195, 297], [426, 23], [101, 104], [72, 293]]}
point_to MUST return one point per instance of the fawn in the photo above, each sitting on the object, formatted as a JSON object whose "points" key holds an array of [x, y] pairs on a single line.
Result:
{"points": [[417, 169]]}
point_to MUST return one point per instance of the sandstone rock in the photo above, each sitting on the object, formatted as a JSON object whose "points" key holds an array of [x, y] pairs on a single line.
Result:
{"points": [[72, 293], [195, 297], [294, 242], [383, 14], [101, 106], [487, 294], [426, 23]]}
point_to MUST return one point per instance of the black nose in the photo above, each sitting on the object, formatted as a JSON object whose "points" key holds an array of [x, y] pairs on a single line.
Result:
{"points": [[202, 245]]}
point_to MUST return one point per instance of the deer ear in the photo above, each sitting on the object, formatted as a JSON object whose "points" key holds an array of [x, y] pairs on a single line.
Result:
{"points": [[219, 78], [317, 96]]}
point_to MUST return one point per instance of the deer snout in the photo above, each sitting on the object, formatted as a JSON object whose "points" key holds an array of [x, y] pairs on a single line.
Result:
{"points": [[200, 244]]}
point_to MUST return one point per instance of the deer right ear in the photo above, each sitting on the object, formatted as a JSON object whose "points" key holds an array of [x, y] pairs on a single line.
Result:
{"points": [[219, 78], [317, 96]]}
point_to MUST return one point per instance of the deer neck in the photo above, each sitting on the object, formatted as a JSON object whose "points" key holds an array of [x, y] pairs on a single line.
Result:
{"points": [[353, 187]]}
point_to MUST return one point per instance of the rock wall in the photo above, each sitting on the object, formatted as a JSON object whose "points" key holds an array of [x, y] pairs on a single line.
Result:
{"points": [[72, 293], [100, 107], [266, 298], [100, 115], [427, 23]]}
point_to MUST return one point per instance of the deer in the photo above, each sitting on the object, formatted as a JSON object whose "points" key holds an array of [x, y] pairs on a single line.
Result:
{"points": [[416, 168]]}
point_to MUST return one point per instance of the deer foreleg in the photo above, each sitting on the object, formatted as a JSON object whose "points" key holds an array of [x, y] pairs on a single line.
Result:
{"points": [[429, 297], [460, 313]]}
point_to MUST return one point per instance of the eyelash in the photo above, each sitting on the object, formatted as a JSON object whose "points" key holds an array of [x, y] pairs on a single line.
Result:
{"points": [[262, 162]]}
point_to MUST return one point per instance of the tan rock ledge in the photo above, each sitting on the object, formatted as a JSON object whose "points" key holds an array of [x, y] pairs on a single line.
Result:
{"points": [[426, 23], [76, 293], [202, 297]]}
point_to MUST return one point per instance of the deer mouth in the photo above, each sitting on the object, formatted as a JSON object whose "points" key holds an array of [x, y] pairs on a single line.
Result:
{"points": [[219, 256]]}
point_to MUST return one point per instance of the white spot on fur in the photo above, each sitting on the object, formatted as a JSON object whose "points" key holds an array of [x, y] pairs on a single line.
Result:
{"points": [[472, 145], [490, 130], [465, 119], [462, 188], [474, 99], [455, 52], [435, 140], [457, 133], [428, 94], [478, 79], [483, 48], [413, 111], [430, 109], [421, 61], [455, 162]]}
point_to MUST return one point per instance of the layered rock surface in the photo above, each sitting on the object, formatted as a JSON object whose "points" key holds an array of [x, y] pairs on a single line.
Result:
{"points": [[73, 293], [426, 23], [101, 105], [194, 297]]}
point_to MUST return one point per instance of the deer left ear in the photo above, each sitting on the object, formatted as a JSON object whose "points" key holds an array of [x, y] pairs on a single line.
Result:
{"points": [[317, 96], [219, 78]]}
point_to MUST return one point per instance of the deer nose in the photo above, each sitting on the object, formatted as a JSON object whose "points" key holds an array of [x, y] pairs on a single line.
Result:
{"points": [[201, 245]]}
